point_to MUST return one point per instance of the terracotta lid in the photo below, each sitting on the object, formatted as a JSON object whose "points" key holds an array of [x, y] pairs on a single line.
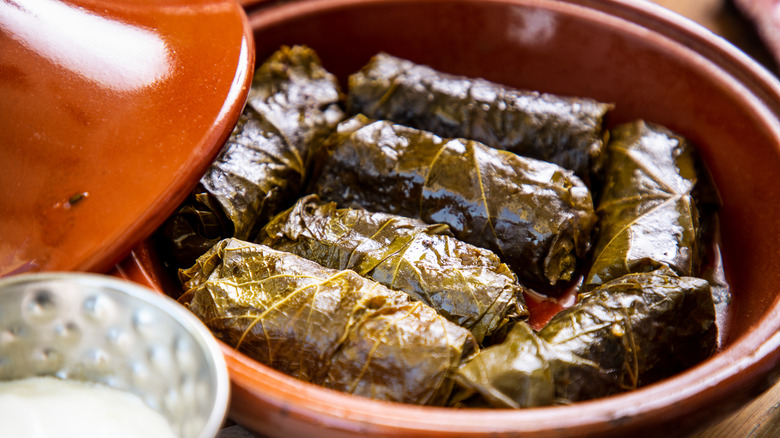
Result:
{"points": [[112, 109]]}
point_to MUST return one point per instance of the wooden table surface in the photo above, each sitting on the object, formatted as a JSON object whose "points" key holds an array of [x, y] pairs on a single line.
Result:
{"points": [[760, 418]]}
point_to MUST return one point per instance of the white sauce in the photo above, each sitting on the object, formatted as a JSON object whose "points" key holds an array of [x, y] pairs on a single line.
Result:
{"points": [[43, 407]]}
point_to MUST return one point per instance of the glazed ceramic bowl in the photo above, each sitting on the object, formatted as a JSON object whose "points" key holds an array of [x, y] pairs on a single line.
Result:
{"points": [[97, 328], [651, 64]]}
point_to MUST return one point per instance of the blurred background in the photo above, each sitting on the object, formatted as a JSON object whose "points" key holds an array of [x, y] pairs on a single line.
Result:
{"points": [[751, 25]]}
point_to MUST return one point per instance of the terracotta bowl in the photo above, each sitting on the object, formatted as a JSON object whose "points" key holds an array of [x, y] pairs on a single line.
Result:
{"points": [[652, 64]]}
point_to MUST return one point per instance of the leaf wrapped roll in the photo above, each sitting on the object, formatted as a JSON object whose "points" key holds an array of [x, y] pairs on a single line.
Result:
{"points": [[466, 284], [535, 215], [647, 215], [293, 104], [626, 333], [563, 130], [329, 327]]}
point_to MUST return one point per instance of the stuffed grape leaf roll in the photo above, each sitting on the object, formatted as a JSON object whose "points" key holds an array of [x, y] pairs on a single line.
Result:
{"points": [[624, 334], [648, 216], [293, 104], [468, 285], [329, 327], [535, 215], [564, 130]]}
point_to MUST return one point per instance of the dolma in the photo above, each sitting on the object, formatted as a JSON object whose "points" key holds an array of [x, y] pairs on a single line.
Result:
{"points": [[329, 327], [292, 105], [536, 216], [564, 130], [647, 214], [624, 334], [466, 284]]}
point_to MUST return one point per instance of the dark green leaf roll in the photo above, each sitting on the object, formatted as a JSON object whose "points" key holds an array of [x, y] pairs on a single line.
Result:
{"points": [[468, 285], [329, 327], [293, 104], [535, 215], [648, 217], [563, 130], [624, 334]]}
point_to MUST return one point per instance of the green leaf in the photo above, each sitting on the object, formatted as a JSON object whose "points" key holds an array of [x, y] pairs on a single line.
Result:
{"points": [[647, 215], [293, 105], [624, 334], [535, 215], [329, 327], [563, 130], [468, 285]]}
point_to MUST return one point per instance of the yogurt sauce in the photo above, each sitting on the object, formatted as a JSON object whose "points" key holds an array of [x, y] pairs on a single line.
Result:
{"points": [[46, 407]]}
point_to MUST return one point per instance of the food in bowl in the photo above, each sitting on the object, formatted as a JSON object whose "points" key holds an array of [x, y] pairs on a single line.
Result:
{"points": [[292, 105], [626, 330], [536, 215], [567, 131], [422, 260], [330, 327], [655, 206], [627, 333]]}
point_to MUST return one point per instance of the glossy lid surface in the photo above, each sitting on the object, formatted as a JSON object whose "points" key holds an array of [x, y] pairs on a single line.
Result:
{"points": [[112, 110]]}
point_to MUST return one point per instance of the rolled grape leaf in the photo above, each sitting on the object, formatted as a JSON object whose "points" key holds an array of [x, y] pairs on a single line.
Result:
{"points": [[626, 333], [563, 130], [329, 327], [647, 215], [517, 373], [292, 105], [535, 215], [468, 285]]}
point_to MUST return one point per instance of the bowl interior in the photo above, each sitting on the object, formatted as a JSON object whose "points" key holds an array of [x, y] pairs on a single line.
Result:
{"points": [[651, 65]]}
